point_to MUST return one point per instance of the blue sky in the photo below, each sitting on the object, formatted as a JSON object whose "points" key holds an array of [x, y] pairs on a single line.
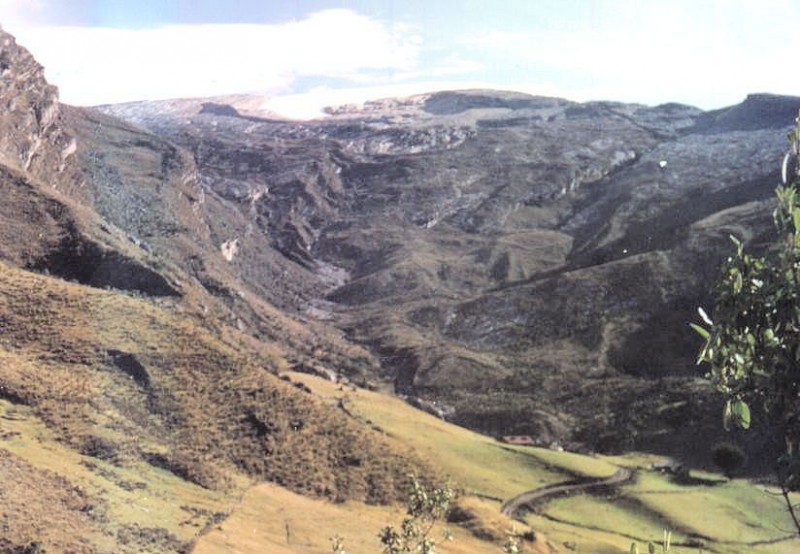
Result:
{"points": [[305, 54]]}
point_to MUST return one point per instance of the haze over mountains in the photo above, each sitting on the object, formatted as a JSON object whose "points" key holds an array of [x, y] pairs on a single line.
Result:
{"points": [[519, 265]]}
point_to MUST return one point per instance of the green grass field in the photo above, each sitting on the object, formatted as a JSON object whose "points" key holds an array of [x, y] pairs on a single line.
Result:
{"points": [[479, 464], [713, 516], [722, 516]]}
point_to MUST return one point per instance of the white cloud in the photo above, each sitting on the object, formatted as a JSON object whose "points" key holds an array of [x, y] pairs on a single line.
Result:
{"points": [[709, 54], [704, 53], [102, 65]]}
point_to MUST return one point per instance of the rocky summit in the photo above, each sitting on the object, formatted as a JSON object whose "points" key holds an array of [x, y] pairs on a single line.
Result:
{"points": [[518, 265]]}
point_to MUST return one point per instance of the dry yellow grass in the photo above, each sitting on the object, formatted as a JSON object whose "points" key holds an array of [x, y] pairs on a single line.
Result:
{"points": [[193, 411], [115, 497], [272, 519], [599, 524]]}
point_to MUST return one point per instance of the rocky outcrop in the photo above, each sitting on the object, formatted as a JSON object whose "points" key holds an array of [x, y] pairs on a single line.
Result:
{"points": [[33, 138], [76, 258], [44, 227], [758, 111], [214, 108], [50, 238]]}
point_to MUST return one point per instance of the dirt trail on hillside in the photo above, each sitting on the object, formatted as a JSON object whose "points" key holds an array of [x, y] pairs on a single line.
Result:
{"points": [[566, 488]]}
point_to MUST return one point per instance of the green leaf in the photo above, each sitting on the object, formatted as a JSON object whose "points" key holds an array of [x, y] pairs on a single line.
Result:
{"points": [[737, 281], [634, 548], [727, 414], [741, 414], [704, 316], [700, 331]]}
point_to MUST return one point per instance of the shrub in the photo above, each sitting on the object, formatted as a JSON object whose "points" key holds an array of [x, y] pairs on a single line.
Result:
{"points": [[424, 508], [727, 457]]}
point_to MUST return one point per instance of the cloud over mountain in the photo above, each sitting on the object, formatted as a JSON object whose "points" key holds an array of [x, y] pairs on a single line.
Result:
{"points": [[196, 60]]}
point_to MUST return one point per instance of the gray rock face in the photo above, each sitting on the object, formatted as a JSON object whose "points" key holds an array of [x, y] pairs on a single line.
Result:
{"points": [[505, 253], [33, 138], [45, 225]]}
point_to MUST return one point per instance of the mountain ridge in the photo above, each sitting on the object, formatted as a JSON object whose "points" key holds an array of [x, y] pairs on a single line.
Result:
{"points": [[580, 174], [573, 181], [124, 351]]}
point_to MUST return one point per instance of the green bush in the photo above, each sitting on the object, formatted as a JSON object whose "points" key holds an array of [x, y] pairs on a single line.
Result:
{"points": [[424, 507]]}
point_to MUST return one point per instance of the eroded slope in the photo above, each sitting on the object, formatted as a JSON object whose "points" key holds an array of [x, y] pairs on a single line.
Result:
{"points": [[504, 254]]}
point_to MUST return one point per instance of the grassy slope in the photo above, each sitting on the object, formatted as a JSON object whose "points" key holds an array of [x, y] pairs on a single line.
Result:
{"points": [[274, 520], [479, 464], [726, 516], [117, 500], [70, 428], [135, 440]]}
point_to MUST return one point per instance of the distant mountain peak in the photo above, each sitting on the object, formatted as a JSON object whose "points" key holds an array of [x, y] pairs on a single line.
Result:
{"points": [[757, 111]]}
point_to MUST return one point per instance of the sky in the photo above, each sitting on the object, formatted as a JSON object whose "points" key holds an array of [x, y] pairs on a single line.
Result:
{"points": [[306, 54]]}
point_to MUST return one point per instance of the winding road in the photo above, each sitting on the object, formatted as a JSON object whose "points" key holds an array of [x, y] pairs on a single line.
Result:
{"points": [[567, 488]]}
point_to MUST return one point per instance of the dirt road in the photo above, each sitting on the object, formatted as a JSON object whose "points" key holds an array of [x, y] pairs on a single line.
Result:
{"points": [[567, 488]]}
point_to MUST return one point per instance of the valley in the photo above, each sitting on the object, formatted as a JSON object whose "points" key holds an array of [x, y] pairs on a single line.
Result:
{"points": [[499, 254], [703, 512], [223, 331]]}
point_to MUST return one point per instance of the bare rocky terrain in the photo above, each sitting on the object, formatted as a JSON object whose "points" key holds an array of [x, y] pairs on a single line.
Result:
{"points": [[528, 265]]}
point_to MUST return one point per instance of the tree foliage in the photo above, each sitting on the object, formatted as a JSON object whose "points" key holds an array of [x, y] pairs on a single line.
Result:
{"points": [[425, 506], [337, 545], [512, 545], [752, 339]]}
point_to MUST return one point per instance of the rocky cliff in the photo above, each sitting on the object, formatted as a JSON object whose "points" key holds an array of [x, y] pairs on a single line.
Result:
{"points": [[34, 137]]}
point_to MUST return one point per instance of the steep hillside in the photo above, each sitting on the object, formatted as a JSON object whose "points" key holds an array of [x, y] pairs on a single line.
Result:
{"points": [[504, 255]]}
